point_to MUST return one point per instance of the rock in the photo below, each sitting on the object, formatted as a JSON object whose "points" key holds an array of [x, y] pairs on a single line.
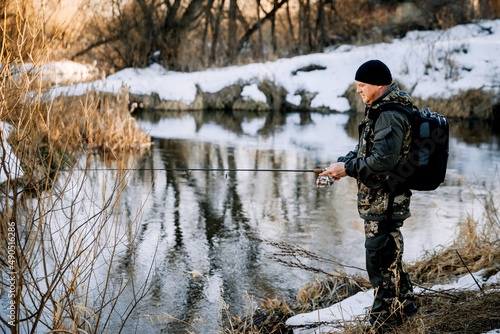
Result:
{"points": [[223, 99], [309, 68], [355, 101], [306, 99]]}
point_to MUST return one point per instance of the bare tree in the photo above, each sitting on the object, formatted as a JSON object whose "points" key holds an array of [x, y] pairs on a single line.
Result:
{"points": [[62, 235], [251, 30], [216, 32], [191, 34], [232, 31]]}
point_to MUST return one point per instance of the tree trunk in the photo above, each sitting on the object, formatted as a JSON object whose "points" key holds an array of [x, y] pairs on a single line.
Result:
{"points": [[273, 30], [260, 41], [176, 28], [257, 25], [150, 41], [216, 33], [320, 27], [232, 30], [306, 25], [290, 27], [208, 21]]}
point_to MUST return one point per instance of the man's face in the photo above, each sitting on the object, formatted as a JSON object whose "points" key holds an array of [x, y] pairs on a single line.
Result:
{"points": [[369, 92]]}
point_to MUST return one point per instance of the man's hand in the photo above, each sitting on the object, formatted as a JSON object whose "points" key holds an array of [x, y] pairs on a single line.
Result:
{"points": [[335, 171]]}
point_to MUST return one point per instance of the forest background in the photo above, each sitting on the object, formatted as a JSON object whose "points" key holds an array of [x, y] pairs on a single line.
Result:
{"points": [[189, 35]]}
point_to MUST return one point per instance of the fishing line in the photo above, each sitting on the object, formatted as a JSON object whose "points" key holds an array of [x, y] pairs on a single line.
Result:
{"points": [[317, 171], [321, 181]]}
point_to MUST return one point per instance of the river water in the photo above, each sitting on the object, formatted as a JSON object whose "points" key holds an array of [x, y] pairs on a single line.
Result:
{"points": [[228, 227]]}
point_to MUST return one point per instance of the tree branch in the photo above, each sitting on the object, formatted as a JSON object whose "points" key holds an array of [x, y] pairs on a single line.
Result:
{"points": [[257, 24], [94, 45]]}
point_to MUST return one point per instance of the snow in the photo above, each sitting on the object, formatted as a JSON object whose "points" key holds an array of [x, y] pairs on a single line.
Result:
{"points": [[69, 72], [357, 307], [61, 72], [12, 165], [427, 63]]}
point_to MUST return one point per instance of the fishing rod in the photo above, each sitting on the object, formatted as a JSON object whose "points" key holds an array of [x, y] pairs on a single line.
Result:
{"points": [[317, 171], [322, 181]]}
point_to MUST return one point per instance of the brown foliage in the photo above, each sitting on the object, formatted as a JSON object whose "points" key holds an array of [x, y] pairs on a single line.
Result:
{"points": [[472, 104], [21, 31], [191, 34]]}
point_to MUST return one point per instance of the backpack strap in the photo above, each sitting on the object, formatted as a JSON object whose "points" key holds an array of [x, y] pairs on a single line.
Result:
{"points": [[409, 113]]}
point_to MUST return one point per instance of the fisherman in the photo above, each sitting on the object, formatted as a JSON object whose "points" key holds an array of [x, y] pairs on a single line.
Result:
{"points": [[384, 143]]}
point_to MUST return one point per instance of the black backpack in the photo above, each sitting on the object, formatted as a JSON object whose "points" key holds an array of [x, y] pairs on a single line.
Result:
{"points": [[426, 167]]}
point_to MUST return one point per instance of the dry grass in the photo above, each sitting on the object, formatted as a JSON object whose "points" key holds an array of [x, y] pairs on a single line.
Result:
{"points": [[328, 288], [100, 123], [68, 126], [51, 134], [465, 312], [471, 104], [48, 130], [472, 313], [477, 247]]}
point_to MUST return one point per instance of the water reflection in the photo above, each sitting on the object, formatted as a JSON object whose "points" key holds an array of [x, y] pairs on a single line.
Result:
{"points": [[202, 220]]}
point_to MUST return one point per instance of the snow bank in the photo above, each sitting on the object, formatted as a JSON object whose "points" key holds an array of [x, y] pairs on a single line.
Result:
{"points": [[69, 72], [62, 72], [12, 164], [428, 63]]}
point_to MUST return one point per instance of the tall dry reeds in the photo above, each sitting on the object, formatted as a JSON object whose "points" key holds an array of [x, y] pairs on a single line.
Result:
{"points": [[476, 247], [96, 123], [64, 244]]}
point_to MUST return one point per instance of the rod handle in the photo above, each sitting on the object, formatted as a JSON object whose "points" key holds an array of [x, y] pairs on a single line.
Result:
{"points": [[317, 171]]}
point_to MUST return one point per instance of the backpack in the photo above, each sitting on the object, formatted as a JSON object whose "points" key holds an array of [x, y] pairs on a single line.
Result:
{"points": [[426, 167]]}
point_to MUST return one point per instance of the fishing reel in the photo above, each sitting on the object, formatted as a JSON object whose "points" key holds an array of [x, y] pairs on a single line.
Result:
{"points": [[323, 181]]}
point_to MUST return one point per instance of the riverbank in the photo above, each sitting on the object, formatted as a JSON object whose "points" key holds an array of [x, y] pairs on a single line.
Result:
{"points": [[456, 287], [457, 290], [468, 305], [456, 72]]}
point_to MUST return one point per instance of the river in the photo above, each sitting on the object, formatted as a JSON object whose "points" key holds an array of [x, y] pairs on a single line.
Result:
{"points": [[229, 226]]}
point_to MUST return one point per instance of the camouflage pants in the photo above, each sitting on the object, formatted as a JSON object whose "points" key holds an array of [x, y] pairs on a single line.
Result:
{"points": [[386, 270]]}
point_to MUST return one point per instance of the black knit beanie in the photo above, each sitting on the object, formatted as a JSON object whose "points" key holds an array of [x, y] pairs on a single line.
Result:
{"points": [[374, 72]]}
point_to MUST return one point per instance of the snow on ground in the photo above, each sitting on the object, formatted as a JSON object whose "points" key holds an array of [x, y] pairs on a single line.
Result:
{"points": [[356, 308], [12, 165], [62, 72], [69, 72], [427, 63]]}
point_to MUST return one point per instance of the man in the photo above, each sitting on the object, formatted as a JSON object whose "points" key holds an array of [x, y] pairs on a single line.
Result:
{"points": [[384, 143]]}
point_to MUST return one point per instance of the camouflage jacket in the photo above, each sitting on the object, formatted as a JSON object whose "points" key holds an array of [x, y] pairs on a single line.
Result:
{"points": [[382, 147]]}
